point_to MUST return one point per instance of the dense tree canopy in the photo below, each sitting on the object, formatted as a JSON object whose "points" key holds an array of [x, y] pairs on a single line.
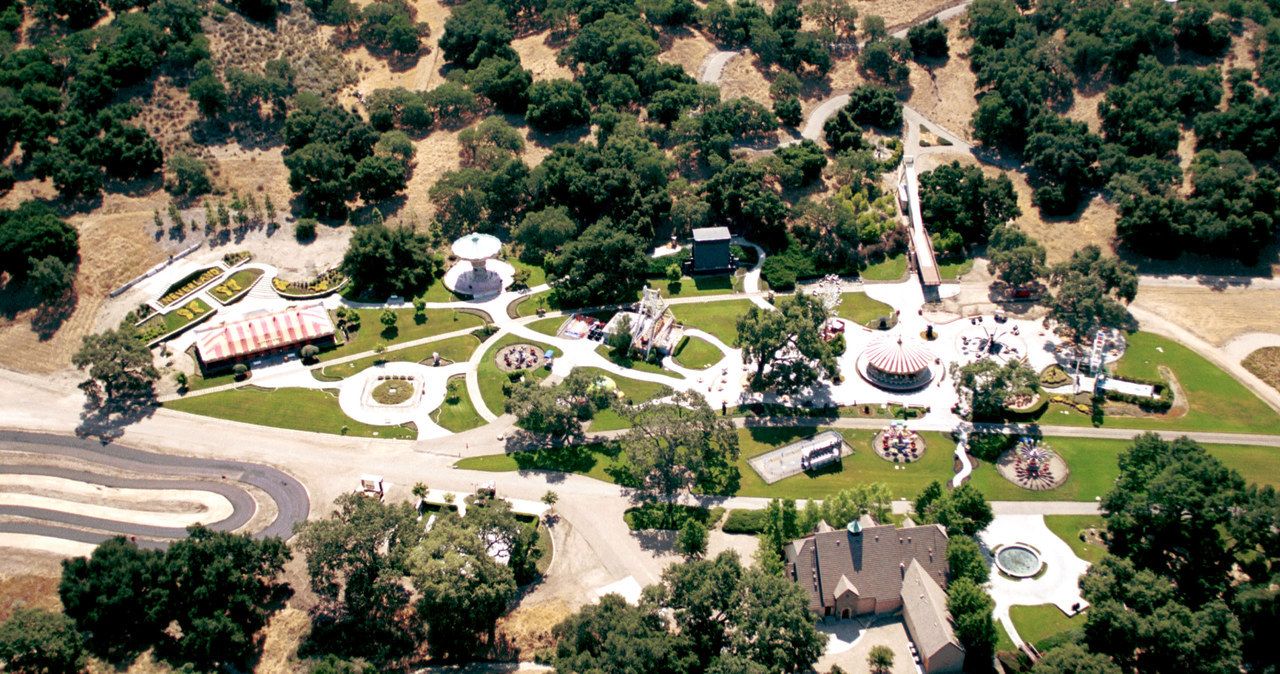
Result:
{"points": [[1088, 291], [118, 363], [962, 510], [31, 233], [384, 261], [678, 446], [785, 344], [962, 207], [986, 387], [35, 641]]}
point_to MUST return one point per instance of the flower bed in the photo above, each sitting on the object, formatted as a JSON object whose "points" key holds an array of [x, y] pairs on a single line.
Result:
{"points": [[1054, 376], [325, 284], [233, 259], [163, 326], [236, 286], [193, 282]]}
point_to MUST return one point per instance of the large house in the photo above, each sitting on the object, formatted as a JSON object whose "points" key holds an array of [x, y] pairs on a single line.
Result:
{"points": [[868, 568]]}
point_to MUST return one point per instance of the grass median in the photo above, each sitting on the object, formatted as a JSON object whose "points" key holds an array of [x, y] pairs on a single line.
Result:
{"points": [[293, 408]]}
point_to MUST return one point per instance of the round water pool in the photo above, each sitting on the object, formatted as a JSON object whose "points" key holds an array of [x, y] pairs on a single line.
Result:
{"points": [[1018, 561]]}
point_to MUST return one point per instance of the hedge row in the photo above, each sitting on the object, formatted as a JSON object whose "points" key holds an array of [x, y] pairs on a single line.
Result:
{"points": [[742, 521], [1160, 404]]}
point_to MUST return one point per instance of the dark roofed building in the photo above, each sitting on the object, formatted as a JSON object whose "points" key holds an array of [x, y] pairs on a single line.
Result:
{"points": [[868, 568], [711, 250]]}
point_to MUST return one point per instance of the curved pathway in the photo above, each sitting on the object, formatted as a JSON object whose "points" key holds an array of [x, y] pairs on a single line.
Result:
{"points": [[713, 66], [217, 476]]}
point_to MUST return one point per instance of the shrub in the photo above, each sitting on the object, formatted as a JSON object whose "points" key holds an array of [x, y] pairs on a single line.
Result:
{"points": [[305, 230], [989, 446], [240, 370], [745, 521], [309, 352]]}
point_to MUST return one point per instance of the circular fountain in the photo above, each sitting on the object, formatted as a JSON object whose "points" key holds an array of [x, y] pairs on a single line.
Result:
{"points": [[1018, 560]]}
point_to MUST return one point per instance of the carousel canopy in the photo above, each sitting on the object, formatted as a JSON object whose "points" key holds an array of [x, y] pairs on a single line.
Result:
{"points": [[897, 356], [477, 247]]}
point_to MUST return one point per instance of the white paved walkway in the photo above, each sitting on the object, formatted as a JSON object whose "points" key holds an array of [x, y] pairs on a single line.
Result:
{"points": [[1060, 584]]}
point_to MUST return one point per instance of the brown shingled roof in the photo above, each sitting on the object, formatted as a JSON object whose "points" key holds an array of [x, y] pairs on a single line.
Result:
{"points": [[873, 560], [926, 603]]}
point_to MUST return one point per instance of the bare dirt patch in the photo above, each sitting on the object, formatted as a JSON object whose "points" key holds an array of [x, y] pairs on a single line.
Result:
{"points": [[897, 13], [284, 634], [527, 629], [944, 91], [1084, 108], [27, 590], [688, 51], [742, 78], [1265, 365], [1214, 315], [539, 57], [115, 246]]}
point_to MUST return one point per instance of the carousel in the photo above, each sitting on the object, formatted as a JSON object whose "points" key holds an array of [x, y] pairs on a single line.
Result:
{"points": [[896, 363]]}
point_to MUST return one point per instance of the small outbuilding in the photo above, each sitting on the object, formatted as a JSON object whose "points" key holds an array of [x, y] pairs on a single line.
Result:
{"points": [[711, 250]]}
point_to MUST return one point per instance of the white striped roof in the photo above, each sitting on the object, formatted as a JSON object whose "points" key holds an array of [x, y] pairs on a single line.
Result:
{"points": [[297, 325], [896, 355]]}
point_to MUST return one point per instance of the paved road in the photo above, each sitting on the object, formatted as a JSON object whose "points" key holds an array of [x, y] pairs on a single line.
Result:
{"points": [[219, 476]]}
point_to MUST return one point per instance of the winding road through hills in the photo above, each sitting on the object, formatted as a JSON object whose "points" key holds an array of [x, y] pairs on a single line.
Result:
{"points": [[220, 477]]}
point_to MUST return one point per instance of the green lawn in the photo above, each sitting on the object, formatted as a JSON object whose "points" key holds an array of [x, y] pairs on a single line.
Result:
{"points": [[1093, 468], [437, 292], [633, 389], [697, 354], [196, 382], [175, 319], [633, 364], [295, 408], [1037, 623], [529, 305], [1068, 528], [1218, 402], [1003, 642], [863, 466], [455, 349], [407, 329], [891, 269], [459, 414], [953, 270], [860, 309], [235, 286], [693, 287], [537, 275], [717, 318], [548, 326], [491, 378]]}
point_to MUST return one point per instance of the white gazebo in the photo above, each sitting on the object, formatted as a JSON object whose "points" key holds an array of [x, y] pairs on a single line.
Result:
{"points": [[472, 275]]}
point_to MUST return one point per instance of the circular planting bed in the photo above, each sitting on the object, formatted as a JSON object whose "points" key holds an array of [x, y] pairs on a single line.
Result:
{"points": [[393, 391], [1032, 465], [1018, 561], [519, 357], [898, 446]]}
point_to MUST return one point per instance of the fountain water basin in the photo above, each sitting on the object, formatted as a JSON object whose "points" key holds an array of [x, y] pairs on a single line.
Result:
{"points": [[1018, 560]]}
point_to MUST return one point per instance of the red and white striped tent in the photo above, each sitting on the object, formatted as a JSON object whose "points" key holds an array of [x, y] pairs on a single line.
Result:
{"points": [[256, 335], [897, 356]]}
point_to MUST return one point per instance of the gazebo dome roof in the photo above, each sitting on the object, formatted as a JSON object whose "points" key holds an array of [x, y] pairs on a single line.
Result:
{"points": [[895, 355], [477, 246]]}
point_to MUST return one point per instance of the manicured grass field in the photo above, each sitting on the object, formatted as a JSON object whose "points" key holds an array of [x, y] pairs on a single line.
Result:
{"points": [[548, 326], [633, 389], [491, 378], [1037, 623], [1093, 467], [697, 354], [537, 275], [635, 364], [860, 309], [953, 270], [890, 269], [1003, 642], [197, 382], [459, 414], [717, 318], [407, 329], [863, 466], [1217, 401], [1068, 528], [174, 320], [694, 287], [295, 408], [456, 349], [226, 291]]}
